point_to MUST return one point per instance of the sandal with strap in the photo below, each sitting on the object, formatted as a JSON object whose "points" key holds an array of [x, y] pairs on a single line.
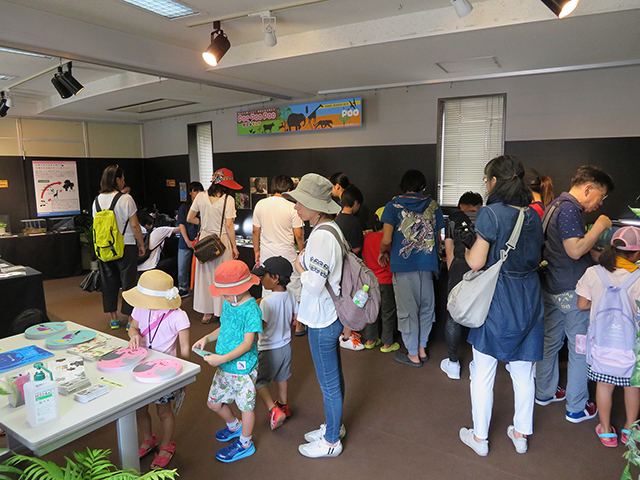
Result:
{"points": [[624, 437], [152, 444], [607, 439], [162, 461]]}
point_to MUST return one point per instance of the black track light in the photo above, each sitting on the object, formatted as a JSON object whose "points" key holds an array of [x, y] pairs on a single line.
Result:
{"points": [[65, 83], [561, 8], [4, 105], [219, 46]]}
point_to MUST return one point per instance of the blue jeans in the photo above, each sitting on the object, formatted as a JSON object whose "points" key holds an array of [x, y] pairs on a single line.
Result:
{"points": [[184, 268], [562, 318], [325, 351]]}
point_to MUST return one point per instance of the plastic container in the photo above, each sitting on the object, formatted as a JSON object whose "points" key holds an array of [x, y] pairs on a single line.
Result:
{"points": [[361, 296], [41, 398]]}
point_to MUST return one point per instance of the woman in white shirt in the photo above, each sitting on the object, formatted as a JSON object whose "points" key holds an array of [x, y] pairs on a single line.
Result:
{"points": [[211, 205], [121, 273], [320, 267]]}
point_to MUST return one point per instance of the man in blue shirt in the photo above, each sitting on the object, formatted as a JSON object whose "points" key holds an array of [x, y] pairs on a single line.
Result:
{"points": [[568, 250], [412, 222], [188, 233]]}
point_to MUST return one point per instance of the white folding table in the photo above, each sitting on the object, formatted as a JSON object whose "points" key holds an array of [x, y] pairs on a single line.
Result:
{"points": [[78, 419]]}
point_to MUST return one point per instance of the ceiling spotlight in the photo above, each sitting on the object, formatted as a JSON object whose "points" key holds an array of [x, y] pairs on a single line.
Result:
{"points": [[463, 7], [65, 83], [5, 104], [561, 8], [219, 46], [269, 29]]}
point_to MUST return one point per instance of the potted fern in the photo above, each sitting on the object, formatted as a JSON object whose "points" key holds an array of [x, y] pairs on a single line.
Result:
{"points": [[633, 453], [92, 464]]}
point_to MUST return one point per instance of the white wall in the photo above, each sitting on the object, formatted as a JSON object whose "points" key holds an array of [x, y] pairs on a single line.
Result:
{"points": [[586, 104]]}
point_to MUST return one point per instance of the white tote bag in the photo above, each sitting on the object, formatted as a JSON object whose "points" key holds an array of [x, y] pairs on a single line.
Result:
{"points": [[470, 300]]}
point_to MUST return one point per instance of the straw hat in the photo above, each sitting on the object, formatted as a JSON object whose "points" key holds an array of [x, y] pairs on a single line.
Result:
{"points": [[314, 192], [154, 291], [232, 278], [224, 177]]}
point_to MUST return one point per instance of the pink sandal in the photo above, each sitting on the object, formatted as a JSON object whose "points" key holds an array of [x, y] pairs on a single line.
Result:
{"points": [[607, 439], [142, 452], [162, 461]]}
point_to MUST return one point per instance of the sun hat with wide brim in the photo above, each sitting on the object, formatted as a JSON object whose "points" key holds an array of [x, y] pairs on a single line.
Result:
{"points": [[155, 291], [224, 177], [314, 192], [232, 278]]}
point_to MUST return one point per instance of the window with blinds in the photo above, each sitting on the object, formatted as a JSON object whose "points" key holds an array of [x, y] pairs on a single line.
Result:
{"points": [[205, 153], [471, 132]]}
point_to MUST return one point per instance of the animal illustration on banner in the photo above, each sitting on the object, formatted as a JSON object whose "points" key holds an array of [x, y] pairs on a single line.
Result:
{"points": [[344, 113]]}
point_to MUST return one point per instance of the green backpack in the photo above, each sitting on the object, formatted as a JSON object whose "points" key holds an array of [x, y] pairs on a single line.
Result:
{"points": [[108, 242]]}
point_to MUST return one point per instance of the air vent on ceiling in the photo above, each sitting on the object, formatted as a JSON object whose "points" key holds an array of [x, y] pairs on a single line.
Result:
{"points": [[152, 106], [7, 78], [470, 65]]}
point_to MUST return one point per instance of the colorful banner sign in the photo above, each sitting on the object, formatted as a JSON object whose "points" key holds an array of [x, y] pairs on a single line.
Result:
{"points": [[324, 115], [56, 188]]}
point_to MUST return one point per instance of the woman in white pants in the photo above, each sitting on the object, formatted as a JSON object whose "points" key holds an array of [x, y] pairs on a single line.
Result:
{"points": [[513, 331]]}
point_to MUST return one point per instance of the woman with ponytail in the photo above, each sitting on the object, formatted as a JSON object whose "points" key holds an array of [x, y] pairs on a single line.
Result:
{"points": [[513, 331]]}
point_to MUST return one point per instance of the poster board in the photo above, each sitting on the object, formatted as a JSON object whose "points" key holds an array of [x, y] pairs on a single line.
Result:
{"points": [[56, 188], [328, 115]]}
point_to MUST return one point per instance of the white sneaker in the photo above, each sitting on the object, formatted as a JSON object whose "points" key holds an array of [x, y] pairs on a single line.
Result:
{"points": [[481, 448], [319, 449], [519, 443], [319, 434], [451, 369], [351, 343]]}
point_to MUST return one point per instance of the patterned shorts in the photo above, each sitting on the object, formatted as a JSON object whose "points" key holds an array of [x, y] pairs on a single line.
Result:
{"points": [[229, 388], [601, 377], [167, 398]]}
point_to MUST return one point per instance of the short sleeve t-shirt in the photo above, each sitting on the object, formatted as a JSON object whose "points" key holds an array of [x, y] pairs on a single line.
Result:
{"points": [[124, 209], [564, 272], [456, 220], [159, 328], [591, 287], [192, 229], [234, 323], [156, 239], [211, 213], [416, 220], [370, 253], [276, 219], [351, 228], [277, 312]]}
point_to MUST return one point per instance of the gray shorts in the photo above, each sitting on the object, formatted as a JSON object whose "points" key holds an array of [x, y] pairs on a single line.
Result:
{"points": [[274, 365]]}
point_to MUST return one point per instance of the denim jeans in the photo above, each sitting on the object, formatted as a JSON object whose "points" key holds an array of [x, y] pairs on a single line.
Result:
{"points": [[562, 318], [184, 269], [325, 351]]}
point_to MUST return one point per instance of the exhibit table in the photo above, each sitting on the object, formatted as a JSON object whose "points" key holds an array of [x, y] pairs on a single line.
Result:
{"points": [[56, 255], [78, 419], [18, 294]]}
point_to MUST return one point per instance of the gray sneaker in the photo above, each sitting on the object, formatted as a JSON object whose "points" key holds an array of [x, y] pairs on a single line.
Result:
{"points": [[451, 369], [519, 443], [481, 448], [319, 434]]}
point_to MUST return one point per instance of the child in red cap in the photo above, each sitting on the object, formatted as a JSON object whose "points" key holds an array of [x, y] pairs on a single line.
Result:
{"points": [[236, 357]]}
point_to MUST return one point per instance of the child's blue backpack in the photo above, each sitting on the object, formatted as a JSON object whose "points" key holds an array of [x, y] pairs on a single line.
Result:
{"points": [[612, 332]]}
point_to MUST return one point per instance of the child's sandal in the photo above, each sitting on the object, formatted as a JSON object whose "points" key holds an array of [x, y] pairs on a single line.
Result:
{"points": [[151, 445], [624, 435], [162, 461], [608, 439]]}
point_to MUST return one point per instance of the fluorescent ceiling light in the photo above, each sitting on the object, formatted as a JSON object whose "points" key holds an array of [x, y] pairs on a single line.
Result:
{"points": [[7, 78], [166, 8], [21, 52]]}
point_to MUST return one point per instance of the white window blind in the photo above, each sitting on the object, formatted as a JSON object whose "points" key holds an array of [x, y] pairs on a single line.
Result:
{"points": [[205, 153], [471, 135]]}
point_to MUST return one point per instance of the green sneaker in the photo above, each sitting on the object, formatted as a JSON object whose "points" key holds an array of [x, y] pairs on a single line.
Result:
{"points": [[114, 324]]}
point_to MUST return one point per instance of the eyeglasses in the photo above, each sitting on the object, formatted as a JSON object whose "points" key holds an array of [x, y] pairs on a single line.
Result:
{"points": [[603, 194]]}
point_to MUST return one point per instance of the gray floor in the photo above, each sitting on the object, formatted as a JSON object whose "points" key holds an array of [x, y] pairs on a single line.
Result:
{"points": [[402, 423]]}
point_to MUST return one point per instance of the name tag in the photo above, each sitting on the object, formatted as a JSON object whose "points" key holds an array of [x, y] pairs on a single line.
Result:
{"points": [[242, 365]]}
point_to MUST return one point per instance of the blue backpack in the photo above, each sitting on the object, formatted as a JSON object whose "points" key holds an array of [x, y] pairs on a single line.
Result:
{"points": [[612, 332]]}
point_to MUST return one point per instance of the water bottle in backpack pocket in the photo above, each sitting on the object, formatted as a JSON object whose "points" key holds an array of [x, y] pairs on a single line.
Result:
{"points": [[613, 329]]}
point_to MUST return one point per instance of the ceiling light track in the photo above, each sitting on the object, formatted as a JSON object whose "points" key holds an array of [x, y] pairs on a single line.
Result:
{"points": [[249, 14]]}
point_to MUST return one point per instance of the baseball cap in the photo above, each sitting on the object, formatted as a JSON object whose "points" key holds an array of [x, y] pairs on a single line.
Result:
{"points": [[631, 238], [275, 266]]}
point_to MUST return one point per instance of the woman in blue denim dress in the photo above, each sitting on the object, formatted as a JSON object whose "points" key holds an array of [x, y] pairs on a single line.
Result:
{"points": [[513, 331]]}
